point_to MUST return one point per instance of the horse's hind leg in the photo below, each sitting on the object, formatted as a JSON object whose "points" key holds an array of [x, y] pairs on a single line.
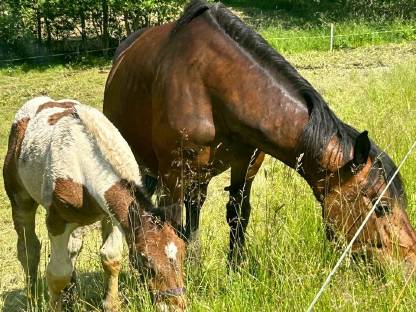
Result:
{"points": [[23, 208], [111, 256], [28, 245], [238, 206]]}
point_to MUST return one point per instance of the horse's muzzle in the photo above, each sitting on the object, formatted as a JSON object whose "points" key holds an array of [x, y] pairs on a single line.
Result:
{"points": [[171, 300]]}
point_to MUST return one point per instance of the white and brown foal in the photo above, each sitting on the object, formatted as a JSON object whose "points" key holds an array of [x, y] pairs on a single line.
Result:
{"points": [[70, 159]]}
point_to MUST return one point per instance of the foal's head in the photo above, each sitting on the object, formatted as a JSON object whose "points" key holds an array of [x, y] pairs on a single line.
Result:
{"points": [[353, 189], [158, 253]]}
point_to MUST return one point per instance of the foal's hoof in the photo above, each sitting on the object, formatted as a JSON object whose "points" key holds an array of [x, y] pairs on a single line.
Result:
{"points": [[111, 305]]}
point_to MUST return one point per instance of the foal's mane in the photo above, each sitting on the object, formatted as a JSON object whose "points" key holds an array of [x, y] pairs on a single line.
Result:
{"points": [[110, 143], [323, 124]]}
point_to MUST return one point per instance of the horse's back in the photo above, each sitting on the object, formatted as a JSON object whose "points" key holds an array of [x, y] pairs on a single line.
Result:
{"points": [[128, 94], [47, 148], [69, 141]]}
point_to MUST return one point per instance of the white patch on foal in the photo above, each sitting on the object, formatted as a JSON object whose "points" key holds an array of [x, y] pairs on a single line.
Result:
{"points": [[86, 148], [171, 250]]}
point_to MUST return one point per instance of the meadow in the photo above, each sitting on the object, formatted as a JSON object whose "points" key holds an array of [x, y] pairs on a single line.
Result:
{"points": [[288, 257]]}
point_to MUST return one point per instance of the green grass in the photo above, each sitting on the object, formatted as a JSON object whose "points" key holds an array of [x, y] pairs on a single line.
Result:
{"points": [[347, 35], [296, 29], [288, 33], [288, 257]]}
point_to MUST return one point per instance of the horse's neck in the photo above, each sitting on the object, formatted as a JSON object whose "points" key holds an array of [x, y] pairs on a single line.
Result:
{"points": [[260, 111], [272, 117]]}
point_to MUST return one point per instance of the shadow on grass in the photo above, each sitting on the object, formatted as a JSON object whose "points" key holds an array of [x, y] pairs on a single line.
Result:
{"points": [[87, 295], [14, 301], [45, 63], [291, 13]]}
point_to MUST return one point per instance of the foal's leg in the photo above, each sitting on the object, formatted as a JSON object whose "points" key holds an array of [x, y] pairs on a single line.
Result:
{"points": [[111, 254], [28, 245], [74, 247], [238, 206], [60, 266]]}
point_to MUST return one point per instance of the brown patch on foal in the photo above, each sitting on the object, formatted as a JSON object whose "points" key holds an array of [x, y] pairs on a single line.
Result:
{"points": [[71, 203], [16, 137], [52, 104], [54, 118], [119, 200]]}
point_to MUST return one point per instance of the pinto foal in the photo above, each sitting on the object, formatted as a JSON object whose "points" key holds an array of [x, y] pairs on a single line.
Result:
{"points": [[70, 159]]}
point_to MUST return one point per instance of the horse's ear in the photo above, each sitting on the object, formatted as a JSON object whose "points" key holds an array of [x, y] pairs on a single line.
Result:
{"points": [[362, 149]]}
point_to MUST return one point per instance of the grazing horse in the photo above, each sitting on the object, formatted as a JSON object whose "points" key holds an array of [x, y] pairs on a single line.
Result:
{"points": [[70, 159], [206, 93]]}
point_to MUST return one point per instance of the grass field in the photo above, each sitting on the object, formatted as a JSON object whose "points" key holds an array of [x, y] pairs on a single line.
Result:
{"points": [[300, 30], [288, 257]]}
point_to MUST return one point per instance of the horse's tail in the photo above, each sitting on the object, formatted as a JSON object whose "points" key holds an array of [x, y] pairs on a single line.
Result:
{"points": [[111, 144]]}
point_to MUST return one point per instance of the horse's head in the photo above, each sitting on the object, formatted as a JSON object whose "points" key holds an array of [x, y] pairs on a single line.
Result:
{"points": [[353, 189], [159, 254]]}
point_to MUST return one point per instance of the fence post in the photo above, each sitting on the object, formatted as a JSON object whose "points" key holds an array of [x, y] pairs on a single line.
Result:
{"points": [[331, 44]]}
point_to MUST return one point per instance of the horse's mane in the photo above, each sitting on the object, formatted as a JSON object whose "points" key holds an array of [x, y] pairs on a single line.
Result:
{"points": [[111, 144], [323, 124]]}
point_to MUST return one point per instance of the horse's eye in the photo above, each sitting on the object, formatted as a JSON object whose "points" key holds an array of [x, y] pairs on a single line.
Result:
{"points": [[382, 209]]}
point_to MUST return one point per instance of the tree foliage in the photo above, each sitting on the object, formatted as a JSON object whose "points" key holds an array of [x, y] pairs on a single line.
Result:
{"points": [[29, 27], [77, 24]]}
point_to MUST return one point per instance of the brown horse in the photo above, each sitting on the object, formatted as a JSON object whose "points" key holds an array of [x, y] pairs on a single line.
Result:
{"points": [[70, 159], [207, 93]]}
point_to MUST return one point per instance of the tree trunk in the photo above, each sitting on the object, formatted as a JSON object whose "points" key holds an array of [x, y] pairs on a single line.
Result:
{"points": [[126, 23], [83, 30], [39, 27], [48, 32], [105, 25]]}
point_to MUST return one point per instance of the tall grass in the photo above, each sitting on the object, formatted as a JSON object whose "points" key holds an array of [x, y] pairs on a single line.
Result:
{"points": [[288, 257]]}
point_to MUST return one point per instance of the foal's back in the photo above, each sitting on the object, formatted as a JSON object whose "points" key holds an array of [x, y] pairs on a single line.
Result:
{"points": [[67, 144]]}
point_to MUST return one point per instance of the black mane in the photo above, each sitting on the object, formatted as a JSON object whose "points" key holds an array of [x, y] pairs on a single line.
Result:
{"points": [[323, 124]]}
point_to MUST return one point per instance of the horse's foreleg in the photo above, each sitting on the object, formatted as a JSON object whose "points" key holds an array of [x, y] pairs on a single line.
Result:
{"points": [[171, 198], [238, 215], [74, 247], [111, 256], [60, 266], [238, 206], [149, 183], [194, 199]]}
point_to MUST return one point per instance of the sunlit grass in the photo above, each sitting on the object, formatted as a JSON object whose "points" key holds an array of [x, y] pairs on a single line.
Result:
{"points": [[288, 257]]}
